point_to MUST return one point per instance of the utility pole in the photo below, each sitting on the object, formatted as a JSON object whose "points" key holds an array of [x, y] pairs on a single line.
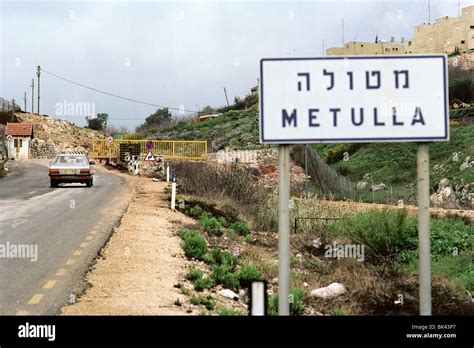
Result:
{"points": [[13, 102], [343, 32], [24, 99], [32, 96], [227, 99], [429, 11], [459, 8], [38, 73]]}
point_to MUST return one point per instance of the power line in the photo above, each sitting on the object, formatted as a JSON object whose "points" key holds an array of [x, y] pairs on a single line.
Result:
{"points": [[114, 95]]}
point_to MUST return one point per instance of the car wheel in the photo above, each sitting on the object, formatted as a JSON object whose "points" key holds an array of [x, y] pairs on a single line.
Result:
{"points": [[53, 183], [88, 183]]}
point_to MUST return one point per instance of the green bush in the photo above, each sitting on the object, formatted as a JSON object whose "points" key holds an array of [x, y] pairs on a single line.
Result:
{"points": [[229, 312], [195, 212], [220, 257], [193, 244], [203, 283], [240, 227], [224, 275], [223, 221], [249, 274], [194, 274], [209, 223], [386, 235], [296, 303], [208, 302], [339, 312], [449, 233], [461, 89]]}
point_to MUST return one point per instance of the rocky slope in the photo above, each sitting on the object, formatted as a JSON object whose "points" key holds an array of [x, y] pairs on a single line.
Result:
{"points": [[53, 136]]}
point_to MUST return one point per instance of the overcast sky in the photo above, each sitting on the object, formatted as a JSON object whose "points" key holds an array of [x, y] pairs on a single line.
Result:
{"points": [[177, 54]]}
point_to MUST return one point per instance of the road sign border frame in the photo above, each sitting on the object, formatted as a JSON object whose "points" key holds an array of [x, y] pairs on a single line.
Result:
{"points": [[356, 140]]}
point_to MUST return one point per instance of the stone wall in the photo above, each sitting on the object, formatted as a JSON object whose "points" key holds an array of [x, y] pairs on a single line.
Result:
{"points": [[263, 156]]}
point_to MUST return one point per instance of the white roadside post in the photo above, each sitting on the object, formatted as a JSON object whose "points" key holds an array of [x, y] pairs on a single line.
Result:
{"points": [[365, 99], [167, 171], [284, 229], [173, 192], [257, 298], [423, 173]]}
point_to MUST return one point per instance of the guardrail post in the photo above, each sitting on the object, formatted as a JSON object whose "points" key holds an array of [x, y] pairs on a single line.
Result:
{"points": [[173, 192]]}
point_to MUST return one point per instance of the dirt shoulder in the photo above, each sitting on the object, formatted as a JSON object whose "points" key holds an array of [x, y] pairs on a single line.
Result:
{"points": [[138, 268]]}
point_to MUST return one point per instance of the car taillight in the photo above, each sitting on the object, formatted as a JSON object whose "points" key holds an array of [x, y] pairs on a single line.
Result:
{"points": [[85, 171], [54, 171]]}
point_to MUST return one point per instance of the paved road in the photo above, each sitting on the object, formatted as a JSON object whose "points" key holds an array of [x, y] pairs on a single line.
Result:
{"points": [[60, 230]]}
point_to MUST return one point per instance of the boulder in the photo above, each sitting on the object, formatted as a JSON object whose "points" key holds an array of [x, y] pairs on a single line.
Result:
{"points": [[330, 291], [378, 187], [228, 293], [361, 185]]}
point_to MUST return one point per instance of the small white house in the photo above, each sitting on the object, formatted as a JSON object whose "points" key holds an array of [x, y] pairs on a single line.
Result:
{"points": [[19, 137]]}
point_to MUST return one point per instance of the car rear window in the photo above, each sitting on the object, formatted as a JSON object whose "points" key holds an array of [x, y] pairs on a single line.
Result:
{"points": [[70, 159]]}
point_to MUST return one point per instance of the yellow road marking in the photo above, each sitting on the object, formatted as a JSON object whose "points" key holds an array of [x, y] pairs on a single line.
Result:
{"points": [[89, 238], [70, 262], [50, 284], [77, 252], [84, 244], [35, 299], [61, 271], [22, 312]]}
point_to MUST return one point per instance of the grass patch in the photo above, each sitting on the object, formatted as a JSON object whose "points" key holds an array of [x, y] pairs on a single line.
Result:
{"points": [[240, 227], [295, 299], [194, 274]]}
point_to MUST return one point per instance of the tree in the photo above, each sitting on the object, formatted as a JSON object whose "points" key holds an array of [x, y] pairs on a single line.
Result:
{"points": [[206, 110], [159, 118], [98, 123]]}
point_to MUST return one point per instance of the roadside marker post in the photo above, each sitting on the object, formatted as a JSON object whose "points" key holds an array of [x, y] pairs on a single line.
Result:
{"points": [[365, 99], [173, 192], [258, 298], [167, 171]]}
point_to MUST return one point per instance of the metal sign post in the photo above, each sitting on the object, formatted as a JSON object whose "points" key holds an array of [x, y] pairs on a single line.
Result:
{"points": [[366, 99], [423, 174], [284, 229]]}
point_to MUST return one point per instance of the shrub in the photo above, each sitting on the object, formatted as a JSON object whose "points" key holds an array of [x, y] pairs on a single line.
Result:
{"points": [[384, 234], [223, 221], [449, 233], [240, 227], [208, 302], [249, 274], [209, 223], [194, 274], [223, 275], [193, 244], [203, 283], [339, 312], [195, 212], [221, 257], [296, 303], [229, 312]]}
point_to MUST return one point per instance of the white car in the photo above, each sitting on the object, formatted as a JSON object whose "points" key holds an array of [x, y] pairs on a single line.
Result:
{"points": [[68, 168]]}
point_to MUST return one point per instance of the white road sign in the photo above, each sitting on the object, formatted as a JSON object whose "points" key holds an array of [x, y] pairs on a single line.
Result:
{"points": [[354, 99]]}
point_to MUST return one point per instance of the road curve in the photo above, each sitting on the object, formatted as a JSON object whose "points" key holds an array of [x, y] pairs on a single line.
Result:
{"points": [[68, 226]]}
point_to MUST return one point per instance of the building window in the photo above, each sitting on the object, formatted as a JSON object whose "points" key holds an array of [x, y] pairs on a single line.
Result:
{"points": [[409, 43], [463, 42], [387, 49], [361, 45]]}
